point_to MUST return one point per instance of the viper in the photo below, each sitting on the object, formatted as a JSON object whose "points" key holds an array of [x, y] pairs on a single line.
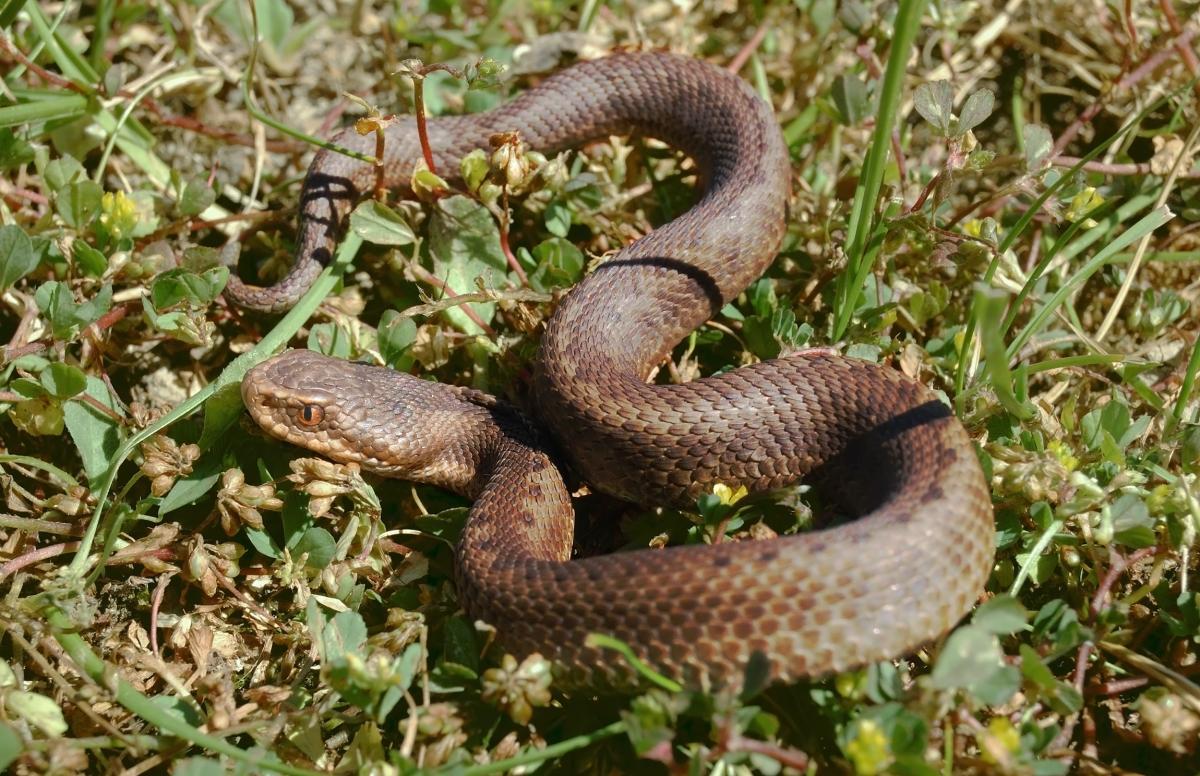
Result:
{"points": [[876, 444]]}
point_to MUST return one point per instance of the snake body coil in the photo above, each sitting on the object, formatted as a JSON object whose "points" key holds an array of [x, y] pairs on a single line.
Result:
{"points": [[875, 443]]}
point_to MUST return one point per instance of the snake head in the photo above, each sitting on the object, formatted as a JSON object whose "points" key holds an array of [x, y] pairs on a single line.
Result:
{"points": [[387, 422]]}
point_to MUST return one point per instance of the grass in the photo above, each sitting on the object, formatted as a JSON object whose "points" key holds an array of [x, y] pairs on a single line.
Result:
{"points": [[181, 594]]}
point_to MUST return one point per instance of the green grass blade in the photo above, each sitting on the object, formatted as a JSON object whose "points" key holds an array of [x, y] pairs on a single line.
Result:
{"points": [[1189, 383], [990, 303], [608, 642], [70, 63], [1147, 224], [62, 107], [532, 756], [862, 216]]}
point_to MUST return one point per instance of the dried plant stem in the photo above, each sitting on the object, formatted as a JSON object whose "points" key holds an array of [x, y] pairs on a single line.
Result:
{"points": [[427, 277], [422, 128]]}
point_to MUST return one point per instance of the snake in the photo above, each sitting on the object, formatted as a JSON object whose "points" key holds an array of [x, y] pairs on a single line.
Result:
{"points": [[915, 545]]}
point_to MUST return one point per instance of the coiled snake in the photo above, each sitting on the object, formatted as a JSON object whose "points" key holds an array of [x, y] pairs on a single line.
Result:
{"points": [[875, 442]]}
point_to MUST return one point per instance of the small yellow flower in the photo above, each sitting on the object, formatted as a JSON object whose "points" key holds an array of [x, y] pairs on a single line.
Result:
{"points": [[999, 742], [118, 214], [869, 750], [728, 495], [851, 684], [1064, 455], [1083, 203]]}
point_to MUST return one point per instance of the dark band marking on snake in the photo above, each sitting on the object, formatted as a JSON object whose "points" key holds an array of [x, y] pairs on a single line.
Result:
{"points": [[878, 444]]}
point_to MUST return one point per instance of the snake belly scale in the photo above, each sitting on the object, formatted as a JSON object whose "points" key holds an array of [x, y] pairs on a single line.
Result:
{"points": [[877, 444]]}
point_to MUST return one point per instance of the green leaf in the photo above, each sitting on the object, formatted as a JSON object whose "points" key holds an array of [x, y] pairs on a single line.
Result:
{"points": [[27, 387], [427, 184], [11, 746], [14, 151], [559, 264], [854, 15], [787, 332], [1038, 144], [91, 261], [464, 244], [998, 687], [17, 257], [475, 167], [1111, 451], [1058, 623], [821, 15], [975, 110], [907, 732], [396, 335], [194, 485], [182, 286], [459, 643], [558, 218], [850, 98], [972, 660], [377, 223], [1043, 566], [96, 434], [90, 310], [865, 351], [221, 411], [40, 416], [935, 102], [320, 546], [1001, 615], [264, 543], [275, 21], [1134, 431], [179, 708], [1063, 697], [62, 172], [756, 676], [38, 710], [79, 203], [990, 303], [649, 721], [1112, 418], [62, 381], [408, 664], [330, 339], [1033, 669], [195, 197], [1132, 524], [345, 634], [66, 316]]}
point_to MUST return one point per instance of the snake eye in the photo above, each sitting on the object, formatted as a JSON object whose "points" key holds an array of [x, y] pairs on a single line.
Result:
{"points": [[310, 415]]}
